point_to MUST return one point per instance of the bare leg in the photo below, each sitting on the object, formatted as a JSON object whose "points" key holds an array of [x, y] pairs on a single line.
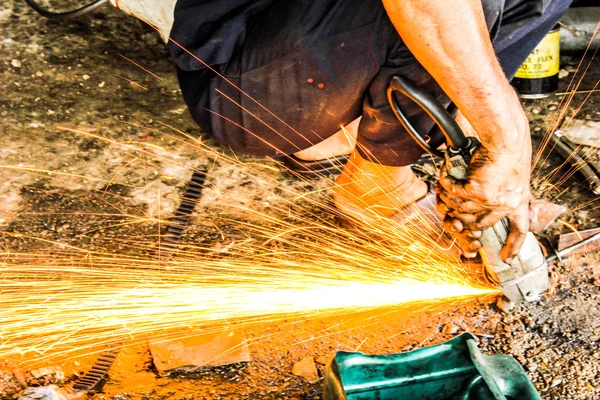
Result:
{"points": [[340, 143], [367, 188]]}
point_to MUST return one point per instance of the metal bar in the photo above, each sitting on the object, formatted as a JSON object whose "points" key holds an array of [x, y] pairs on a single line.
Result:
{"points": [[559, 254]]}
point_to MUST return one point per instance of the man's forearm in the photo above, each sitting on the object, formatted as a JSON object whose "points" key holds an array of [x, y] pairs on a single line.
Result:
{"points": [[451, 40]]}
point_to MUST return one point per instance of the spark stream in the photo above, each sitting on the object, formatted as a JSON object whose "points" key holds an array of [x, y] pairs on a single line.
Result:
{"points": [[59, 309]]}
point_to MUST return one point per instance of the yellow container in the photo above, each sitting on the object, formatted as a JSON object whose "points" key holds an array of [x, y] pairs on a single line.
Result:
{"points": [[538, 76]]}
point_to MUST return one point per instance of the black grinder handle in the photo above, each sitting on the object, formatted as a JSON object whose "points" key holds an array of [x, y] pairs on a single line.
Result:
{"points": [[455, 137]]}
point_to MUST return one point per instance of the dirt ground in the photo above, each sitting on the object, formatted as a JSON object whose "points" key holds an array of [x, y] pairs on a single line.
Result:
{"points": [[74, 75]]}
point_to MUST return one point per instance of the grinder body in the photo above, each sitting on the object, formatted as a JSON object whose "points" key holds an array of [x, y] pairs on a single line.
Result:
{"points": [[526, 277]]}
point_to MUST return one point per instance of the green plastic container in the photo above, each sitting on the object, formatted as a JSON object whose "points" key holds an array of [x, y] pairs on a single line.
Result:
{"points": [[455, 370]]}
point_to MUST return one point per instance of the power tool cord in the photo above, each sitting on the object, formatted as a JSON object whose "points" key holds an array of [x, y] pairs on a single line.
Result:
{"points": [[444, 120], [67, 14]]}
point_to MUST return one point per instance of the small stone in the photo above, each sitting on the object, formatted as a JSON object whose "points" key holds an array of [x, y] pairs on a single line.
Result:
{"points": [[528, 321], [85, 77], [20, 378], [556, 382], [9, 386], [223, 248], [101, 84], [306, 369], [450, 329], [15, 63], [532, 367], [552, 107], [582, 131], [563, 73], [535, 110], [504, 304], [39, 73]]}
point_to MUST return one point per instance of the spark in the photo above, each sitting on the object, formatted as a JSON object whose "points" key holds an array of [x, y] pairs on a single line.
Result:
{"points": [[577, 92], [565, 102], [131, 82], [142, 68], [120, 300]]}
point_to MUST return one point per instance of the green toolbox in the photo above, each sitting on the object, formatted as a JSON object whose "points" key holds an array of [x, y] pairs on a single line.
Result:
{"points": [[454, 370]]}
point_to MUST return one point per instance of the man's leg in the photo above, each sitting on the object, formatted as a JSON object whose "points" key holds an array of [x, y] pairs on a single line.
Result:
{"points": [[340, 143], [300, 75], [378, 179]]}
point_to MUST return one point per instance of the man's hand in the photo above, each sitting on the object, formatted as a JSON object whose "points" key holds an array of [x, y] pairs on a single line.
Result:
{"points": [[497, 186], [454, 46]]}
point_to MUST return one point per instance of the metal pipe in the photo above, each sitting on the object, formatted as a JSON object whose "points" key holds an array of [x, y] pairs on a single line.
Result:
{"points": [[559, 254], [570, 155]]}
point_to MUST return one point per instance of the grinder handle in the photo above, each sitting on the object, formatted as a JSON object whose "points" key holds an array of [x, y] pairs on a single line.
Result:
{"points": [[455, 137], [460, 147]]}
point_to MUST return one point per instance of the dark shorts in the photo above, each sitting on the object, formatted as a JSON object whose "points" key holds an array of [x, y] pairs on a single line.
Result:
{"points": [[305, 68]]}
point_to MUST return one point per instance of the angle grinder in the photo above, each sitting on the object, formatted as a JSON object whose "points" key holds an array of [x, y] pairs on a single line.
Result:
{"points": [[526, 277]]}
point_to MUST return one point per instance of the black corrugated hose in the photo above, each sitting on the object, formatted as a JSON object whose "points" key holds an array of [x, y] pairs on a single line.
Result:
{"points": [[67, 14]]}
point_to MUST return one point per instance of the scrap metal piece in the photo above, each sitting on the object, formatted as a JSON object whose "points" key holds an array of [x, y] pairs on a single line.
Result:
{"points": [[568, 239], [583, 132], [199, 350], [559, 254], [543, 213], [52, 392]]}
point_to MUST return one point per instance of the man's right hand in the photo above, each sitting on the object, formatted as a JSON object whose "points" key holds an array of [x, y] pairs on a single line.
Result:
{"points": [[497, 186], [454, 46]]}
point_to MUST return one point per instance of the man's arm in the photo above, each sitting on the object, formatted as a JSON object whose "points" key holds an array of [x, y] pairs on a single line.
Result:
{"points": [[451, 40]]}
